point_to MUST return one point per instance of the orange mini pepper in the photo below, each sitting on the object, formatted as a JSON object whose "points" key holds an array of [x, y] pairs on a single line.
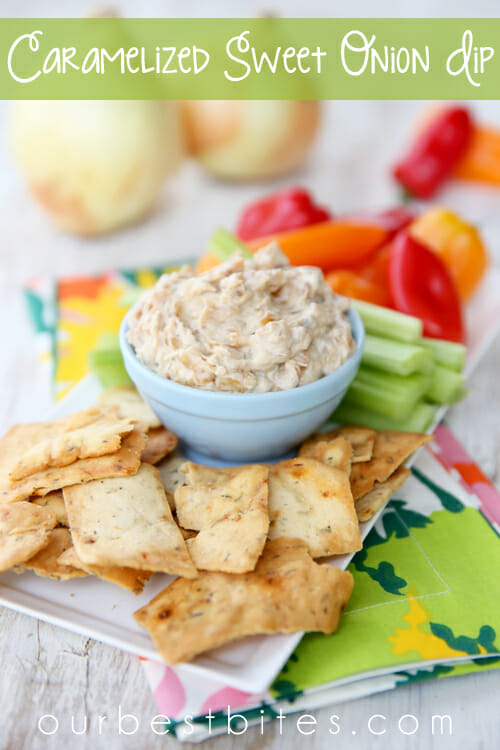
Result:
{"points": [[342, 243], [352, 284], [481, 161], [368, 282], [457, 243]]}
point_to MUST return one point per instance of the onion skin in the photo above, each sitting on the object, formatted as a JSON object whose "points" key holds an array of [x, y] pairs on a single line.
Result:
{"points": [[250, 140], [95, 166]]}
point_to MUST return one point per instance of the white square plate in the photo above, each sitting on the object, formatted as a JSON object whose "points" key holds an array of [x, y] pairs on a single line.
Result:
{"points": [[104, 612]]}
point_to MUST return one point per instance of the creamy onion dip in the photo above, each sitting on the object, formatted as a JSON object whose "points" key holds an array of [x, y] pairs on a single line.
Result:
{"points": [[245, 326]]}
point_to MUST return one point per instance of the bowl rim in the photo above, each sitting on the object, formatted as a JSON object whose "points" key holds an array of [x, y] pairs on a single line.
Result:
{"points": [[155, 380]]}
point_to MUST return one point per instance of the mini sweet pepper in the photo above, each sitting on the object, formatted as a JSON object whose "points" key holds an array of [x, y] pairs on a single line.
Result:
{"points": [[435, 153], [283, 211], [457, 243]]}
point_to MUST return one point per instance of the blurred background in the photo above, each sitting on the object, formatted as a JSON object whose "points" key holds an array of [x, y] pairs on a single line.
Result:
{"points": [[71, 202]]}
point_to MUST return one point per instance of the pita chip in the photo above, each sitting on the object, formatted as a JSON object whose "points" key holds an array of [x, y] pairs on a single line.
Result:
{"points": [[171, 476], [201, 499], [47, 562], [286, 593], [368, 505], [54, 501], [236, 523], [97, 438], [127, 578], [160, 442], [127, 522], [390, 450], [124, 462], [360, 438], [312, 501], [24, 530], [23, 437], [336, 452], [130, 405]]}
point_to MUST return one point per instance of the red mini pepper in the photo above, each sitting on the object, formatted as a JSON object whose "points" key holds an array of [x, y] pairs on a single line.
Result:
{"points": [[436, 153], [420, 285], [285, 210]]}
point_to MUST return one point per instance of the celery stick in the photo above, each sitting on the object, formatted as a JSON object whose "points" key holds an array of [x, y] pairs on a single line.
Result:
{"points": [[393, 406], [106, 351], [388, 323], [389, 405], [106, 361], [414, 385], [393, 396], [446, 386], [111, 375], [460, 395], [395, 356], [223, 244], [103, 357], [447, 353], [420, 420], [108, 340]]}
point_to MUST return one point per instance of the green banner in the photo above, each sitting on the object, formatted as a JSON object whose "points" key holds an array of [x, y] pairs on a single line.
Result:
{"points": [[271, 58]]}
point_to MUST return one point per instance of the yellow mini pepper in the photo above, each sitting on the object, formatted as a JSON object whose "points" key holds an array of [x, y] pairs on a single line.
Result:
{"points": [[457, 243]]}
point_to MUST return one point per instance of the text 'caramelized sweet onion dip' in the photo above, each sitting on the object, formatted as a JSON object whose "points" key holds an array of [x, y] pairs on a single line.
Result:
{"points": [[245, 326]]}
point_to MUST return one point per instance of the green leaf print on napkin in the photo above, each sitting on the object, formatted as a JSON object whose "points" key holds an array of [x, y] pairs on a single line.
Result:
{"points": [[396, 521], [447, 500], [485, 641], [286, 689], [384, 573]]}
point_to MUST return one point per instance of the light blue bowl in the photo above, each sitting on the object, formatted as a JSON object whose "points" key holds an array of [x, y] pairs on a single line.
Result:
{"points": [[242, 427]]}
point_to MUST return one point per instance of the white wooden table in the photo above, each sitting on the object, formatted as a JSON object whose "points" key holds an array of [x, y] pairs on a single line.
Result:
{"points": [[48, 670]]}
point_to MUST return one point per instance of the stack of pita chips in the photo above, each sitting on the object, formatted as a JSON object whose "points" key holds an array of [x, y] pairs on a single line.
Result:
{"points": [[377, 469], [81, 496], [257, 529], [69, 487]]}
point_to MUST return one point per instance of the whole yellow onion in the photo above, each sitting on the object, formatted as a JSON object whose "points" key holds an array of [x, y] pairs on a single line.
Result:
{"points": [[245, 140], [96, 165]]}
